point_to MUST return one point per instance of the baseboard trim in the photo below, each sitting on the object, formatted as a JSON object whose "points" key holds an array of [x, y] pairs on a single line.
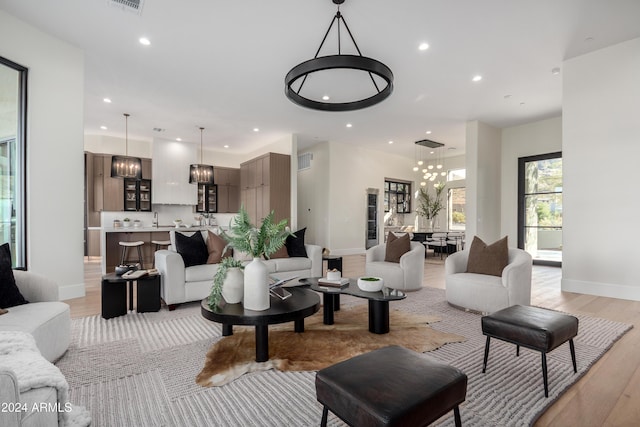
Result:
{"points": [[71, 291], [610, 290]]}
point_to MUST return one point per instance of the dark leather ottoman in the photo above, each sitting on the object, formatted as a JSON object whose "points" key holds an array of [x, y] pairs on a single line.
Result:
{"points": [[392, 386], [532, 327]]}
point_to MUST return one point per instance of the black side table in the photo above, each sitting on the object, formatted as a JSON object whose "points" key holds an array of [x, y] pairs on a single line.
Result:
{"points": [[114, 294]]}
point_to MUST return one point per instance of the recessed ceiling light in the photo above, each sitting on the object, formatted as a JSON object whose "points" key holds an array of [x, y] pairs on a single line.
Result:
{"points": [[349, 125], [256, 129], [107, 100], [226, 146], [144, 41], [477, 78], [178, 139], [158, 130], [103, 127], [325, 98], [390, 142], [555, 71], [423, 46], [428, 132]]}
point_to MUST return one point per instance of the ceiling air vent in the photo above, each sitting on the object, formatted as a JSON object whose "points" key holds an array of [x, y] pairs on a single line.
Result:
{"points": [[304, 161], [130, 5]]}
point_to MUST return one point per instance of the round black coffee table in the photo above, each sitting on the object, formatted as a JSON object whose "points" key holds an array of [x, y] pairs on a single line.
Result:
{"points": [[302, 303]]}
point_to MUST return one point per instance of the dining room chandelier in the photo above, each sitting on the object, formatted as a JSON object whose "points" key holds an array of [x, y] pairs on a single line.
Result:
{"points": [[126, 166], [432, 167], [199, 173], [380, 75]]}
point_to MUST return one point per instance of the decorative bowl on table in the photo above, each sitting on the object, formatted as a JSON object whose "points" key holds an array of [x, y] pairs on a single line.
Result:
{"points": [[177, 222], [370, 284], [123, 268]]}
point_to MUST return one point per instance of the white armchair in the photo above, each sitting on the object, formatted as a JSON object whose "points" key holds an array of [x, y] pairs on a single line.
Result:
{"points": [[486, 293], [406, 275]]}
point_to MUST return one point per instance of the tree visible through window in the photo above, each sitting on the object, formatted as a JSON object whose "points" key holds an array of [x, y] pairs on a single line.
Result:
{"points": [[540, 207], [457, 218]]}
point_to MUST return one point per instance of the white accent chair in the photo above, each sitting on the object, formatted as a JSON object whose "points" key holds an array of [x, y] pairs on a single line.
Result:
{"points": [[406, 275], [485, 293], [46, 318]]}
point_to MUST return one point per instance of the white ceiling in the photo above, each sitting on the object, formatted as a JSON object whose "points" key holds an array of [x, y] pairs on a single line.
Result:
{"points": [[221, 64]]}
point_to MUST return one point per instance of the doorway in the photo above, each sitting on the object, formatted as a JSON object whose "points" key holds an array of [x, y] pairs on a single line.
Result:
{"points": [[540, 207]]}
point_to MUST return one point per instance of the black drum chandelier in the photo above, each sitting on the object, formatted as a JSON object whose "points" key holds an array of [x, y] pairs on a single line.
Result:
{"points": [[339, 61]]}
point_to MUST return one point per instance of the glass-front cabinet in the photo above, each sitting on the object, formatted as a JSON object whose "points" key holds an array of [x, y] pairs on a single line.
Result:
{"points": [[397, 196], [137, 195], [207, 198]]}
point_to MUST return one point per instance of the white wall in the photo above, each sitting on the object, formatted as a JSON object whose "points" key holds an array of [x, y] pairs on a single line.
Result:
{"points": [[483, 146], [352, 170], [601, 105], [313, 196], [55, 162], [531, 139]]}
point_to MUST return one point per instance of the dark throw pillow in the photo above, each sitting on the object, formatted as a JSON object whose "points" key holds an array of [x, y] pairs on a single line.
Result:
{"points": [[396, 247], [295, 244], [488, 259], [215, 246], [192, 249], [10, 295]]}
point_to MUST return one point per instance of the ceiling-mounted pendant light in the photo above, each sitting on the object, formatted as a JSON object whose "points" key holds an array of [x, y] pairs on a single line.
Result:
{"points": [[125, 166], [378, 73], [199, 173]]}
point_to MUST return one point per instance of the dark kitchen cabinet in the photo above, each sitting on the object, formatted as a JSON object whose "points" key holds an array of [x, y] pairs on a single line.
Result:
{"points": [[137, 195]]}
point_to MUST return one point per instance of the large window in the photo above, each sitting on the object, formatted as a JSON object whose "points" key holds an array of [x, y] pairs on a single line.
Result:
{"points": [[13, 89], [540, 207], [457, 199]]}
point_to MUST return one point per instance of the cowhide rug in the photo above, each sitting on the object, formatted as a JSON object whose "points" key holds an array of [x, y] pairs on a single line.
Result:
{"points": [[319, 346]]}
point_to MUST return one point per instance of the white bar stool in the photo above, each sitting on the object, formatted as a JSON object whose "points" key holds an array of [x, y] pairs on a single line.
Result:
{"points": [[126, 245], [159, 245]]}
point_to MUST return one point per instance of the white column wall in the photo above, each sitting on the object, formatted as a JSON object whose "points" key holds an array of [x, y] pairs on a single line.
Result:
{"points": [[483, 151], [55, 162], [531, 139], [313, 196], [601, 103]]}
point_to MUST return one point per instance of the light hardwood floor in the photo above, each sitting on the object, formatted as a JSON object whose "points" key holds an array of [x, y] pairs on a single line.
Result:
{"points": [[608, 395]]}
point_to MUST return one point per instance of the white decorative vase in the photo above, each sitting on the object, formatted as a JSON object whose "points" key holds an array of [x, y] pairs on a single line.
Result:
{"points": [[233, 286], [256, 286]]}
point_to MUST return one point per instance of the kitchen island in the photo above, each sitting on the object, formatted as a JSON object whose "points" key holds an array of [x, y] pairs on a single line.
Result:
{"points": [[111, 250]]}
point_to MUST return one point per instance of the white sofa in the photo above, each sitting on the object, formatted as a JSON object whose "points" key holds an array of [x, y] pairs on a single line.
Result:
{"points": [[180, 284], [46, 318], [406, 275], [485, 293]]}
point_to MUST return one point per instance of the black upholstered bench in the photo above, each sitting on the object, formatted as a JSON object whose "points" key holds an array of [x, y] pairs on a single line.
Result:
{"points": [[392, 386], [531, 327]]}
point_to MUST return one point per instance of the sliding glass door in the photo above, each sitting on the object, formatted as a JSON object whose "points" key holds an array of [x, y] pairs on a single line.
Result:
{"points": [[540, 207]]}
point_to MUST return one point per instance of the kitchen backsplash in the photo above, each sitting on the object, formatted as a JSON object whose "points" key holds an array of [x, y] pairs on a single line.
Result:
{"points": [[166, 215]]}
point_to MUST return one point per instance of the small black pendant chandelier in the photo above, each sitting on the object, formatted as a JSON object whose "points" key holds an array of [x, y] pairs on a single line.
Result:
{"points": [[339, 61], [199, 173], [125, 166]]}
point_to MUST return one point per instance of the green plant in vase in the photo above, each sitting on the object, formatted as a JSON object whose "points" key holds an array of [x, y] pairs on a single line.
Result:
{"points": [[218, 279], [429, 206], [257, 242]]}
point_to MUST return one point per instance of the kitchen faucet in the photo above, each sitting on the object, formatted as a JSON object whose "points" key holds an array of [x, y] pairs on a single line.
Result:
{"points": [[155, 219]]}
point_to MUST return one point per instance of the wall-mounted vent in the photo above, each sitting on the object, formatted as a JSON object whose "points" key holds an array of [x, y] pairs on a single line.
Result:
{"points": [[304, 161], [134, 6]]}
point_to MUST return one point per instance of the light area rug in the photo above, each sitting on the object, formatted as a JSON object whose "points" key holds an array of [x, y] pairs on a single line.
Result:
{"points": [[320, 345], [140, 370]]}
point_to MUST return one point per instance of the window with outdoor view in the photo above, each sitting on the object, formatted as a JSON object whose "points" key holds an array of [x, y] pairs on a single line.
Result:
{"points": [[456, 210], [540, 207]]}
